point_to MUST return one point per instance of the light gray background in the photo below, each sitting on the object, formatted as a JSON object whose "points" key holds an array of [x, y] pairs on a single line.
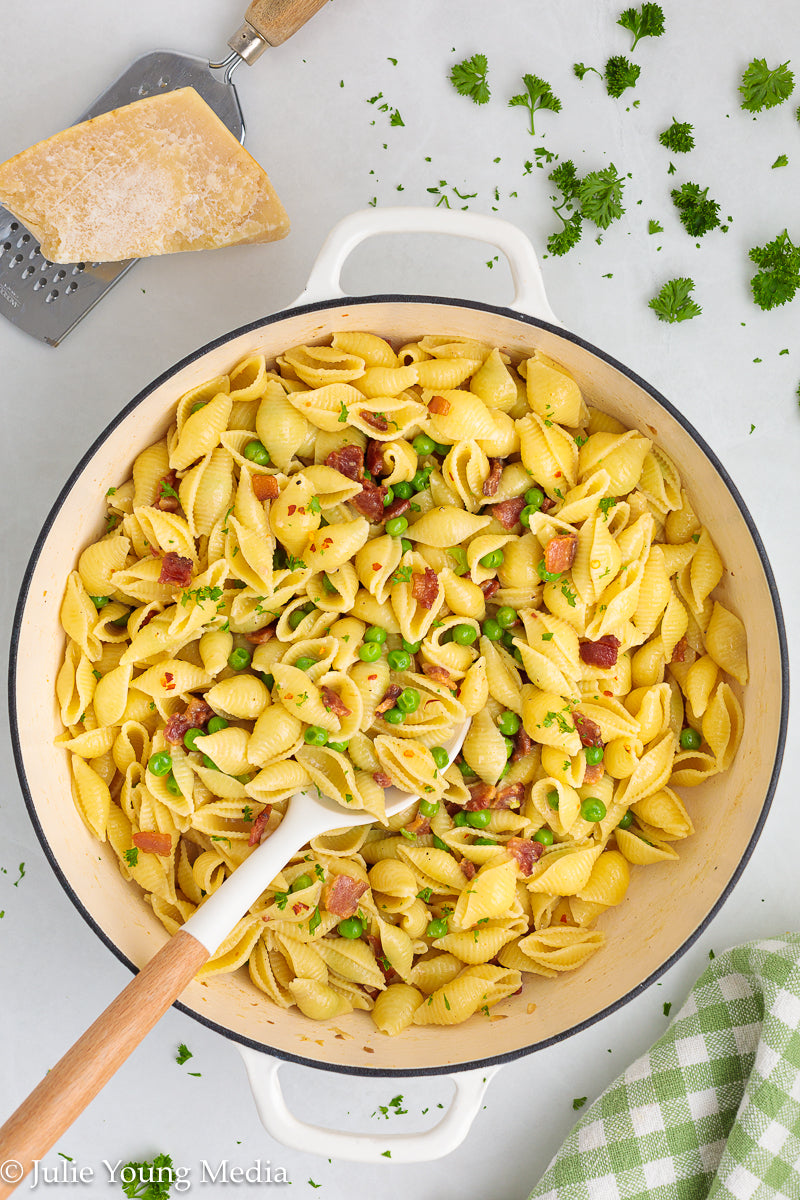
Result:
{"points": [[321, 143]]}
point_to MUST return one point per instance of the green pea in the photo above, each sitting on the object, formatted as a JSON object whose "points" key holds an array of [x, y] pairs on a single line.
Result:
{"points": [[460, 819], [374, 633], [437, 928], [504, 771], [296, 617], [258, 453], [350, 927], [330, 588], [304, 663], [626, 820], [389, 497], [441, 448], [553, 798], [545, 575], [492, 560], [243, 779], [508, 723], [216, 724], [492, 630], [480, 818], [690, 739], [420, 480], [481, 841], [301, 882], [592, 809], [369, 652], [459, 556], [506, 617], [239, 658], [120, 622], [340, 747], [267, 679], [315, 736], [465, 769], [399, 660], [508, 639], [395, 716], [412, 647], [207, 762], [196, 407], [534, 498], [409, 700], [429, 808], [100, 601], [160, 764], [510, 747], [593, 755], [404, 489], [423, 444], [191, 736], [395, 526], [518, 654], [172, 785], [405, 545], [526, 514], [440, 757], [545, 836], [465, 635], [368, 475]]}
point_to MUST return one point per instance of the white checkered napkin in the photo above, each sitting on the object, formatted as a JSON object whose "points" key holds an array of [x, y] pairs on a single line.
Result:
{"points": [[713, 1109]]}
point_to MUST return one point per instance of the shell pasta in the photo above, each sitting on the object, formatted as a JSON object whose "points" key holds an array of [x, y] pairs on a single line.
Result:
{"points": [[329, 564]]}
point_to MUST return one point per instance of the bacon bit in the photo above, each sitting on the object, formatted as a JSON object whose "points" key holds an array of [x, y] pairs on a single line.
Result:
{"points": [[292, 509], [260, 636], [593, 773], [148, 618], [418, 826], [197, 714], [153, 843], [481, 795], [425, 588], [547, 505], [526, 853], [342, 894], [439, 405], [164, 501], [602, 653], [265, 487], [376, 420], [509, 795], [559, 553], [522, 745], [334, 702], [467, 868], [681, 651], [175, 569], [388, 699], [374, 458], [563, 918], [168, 681], [489, 587], [396, 508], [299, 907], [507, 511], [588, 730], [492, 482], [437, 674], [369, 501], [382, 779], [259, 825], [348, 461], [609, 694]]}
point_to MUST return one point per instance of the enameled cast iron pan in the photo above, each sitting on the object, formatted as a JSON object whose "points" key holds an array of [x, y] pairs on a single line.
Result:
{"points": [[667, 905]]}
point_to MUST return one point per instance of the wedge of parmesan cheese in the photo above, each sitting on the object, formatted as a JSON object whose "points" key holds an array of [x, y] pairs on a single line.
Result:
{"points": [[157, 176]]}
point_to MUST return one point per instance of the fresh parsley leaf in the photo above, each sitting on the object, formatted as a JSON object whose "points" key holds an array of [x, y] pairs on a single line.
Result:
{"points": [[565, 177], [674, 303], [538, 94], [425, 895], [112, 491], [166, 490], [678, 138], [148, 1180], [648, 21], [698, 214], [764, 88], [395, 118], [580, 69], [779, 277], [183, 1055], [579, 1102], [655, 227], [315, 920], [620, 74], [667, 1007], [281, 899], [600, 195], [469, 78], [131, 856], [314, 505], [343, 412], [781, 161], [294, 564]]}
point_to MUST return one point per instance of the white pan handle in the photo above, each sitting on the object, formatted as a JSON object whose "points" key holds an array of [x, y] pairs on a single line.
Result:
{"points": [[324, 282], [434, 1143]]}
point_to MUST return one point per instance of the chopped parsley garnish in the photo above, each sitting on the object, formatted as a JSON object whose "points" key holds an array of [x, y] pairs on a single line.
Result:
{"points": [[281, 899], [313, 505], [655, 227], [781, 161], [673, 303], [579, 1102], [148, 1180], [131, 856], [667, 1007], [183, 1055], [395, 118], [314, 921], [538, 94], [111, 492], [606, 504], [344, 412], [698, 214], [425, 895], [218, 837], [202, 593], [294, 564], [779, 277], [469, 78], [580, 69], [568, 595], [762, 87], [166, 490], [247, 814], [648, 21], [620, 74], [678, 138]]}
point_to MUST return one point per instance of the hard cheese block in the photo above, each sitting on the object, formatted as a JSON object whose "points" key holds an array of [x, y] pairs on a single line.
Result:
{"points": [[160, 175]]}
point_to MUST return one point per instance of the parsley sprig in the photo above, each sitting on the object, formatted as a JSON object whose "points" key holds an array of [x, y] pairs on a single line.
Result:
{"points": [[779, 277], [538, 94], [469, 78], [597, 197], [148, 1180], [698, 214], [648, 21], [764, 87], [620, 74], [673, 303], [679, 138]]}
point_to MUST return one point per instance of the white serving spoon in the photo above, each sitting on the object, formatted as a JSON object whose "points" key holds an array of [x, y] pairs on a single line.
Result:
{"points": [[85, 1069]]}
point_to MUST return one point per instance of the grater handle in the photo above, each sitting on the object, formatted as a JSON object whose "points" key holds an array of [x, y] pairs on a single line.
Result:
{"points": [[269, 23]]}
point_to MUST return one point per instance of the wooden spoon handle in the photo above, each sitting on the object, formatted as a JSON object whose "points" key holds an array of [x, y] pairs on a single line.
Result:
{"points": [[87, 1067], [277, 20]]}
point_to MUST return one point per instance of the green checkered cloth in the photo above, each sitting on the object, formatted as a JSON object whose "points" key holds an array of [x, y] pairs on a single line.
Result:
{"points": [[713, 1109]]}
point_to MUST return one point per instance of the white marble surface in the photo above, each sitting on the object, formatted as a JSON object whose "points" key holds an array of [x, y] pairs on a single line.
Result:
{"points": [[320, 145]]}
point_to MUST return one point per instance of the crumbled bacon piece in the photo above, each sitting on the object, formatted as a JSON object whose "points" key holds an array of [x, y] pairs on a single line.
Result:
{"points": [[388, 699], [260, 636], [602, 653], [300, 907], [382, 779], [467, 868], [547, 505], [509, 795], [588, 730], [492, 481], [334, 702], [425, 588], [376, 420], [153, 613], [153, 843], [369, 501], [342, 894], [681, 651], [481, 795], [396, 508], [374, 458], [507, 511], [559, 553], [489, 587], [522, 745], [347, 460], [439, 405], [593, 773], [437, 674], [164, 500], [418, 825], [259, 825], [265, 487], [526, 853], [175, 569], [197, 714]]}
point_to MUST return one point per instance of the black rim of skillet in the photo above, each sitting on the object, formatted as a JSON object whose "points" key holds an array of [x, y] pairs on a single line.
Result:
{"points": [[321, 307]]}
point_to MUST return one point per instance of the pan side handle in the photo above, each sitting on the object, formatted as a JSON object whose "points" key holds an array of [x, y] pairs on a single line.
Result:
{"points": [[324, 282]]}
